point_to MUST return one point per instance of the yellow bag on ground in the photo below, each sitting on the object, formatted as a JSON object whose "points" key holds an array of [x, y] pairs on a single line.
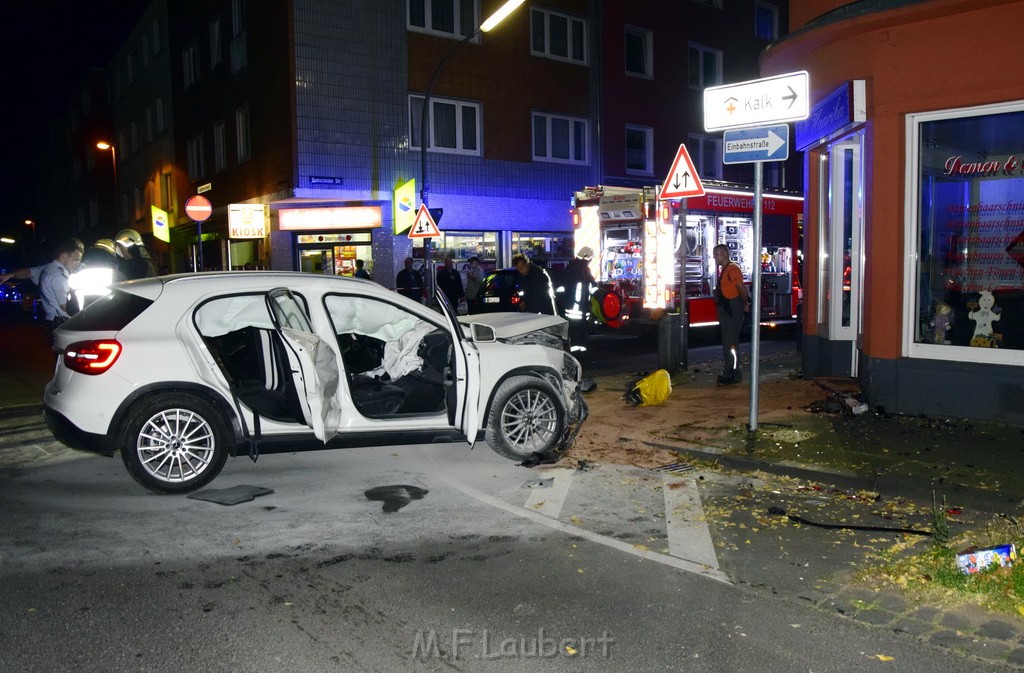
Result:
{"points": [[651, 390]]}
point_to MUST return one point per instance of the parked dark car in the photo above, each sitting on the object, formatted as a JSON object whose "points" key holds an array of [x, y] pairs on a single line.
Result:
{"points": [[499, 291]]}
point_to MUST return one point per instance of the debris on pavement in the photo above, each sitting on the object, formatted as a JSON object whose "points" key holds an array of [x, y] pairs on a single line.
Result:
{"points": [[973, 560]]}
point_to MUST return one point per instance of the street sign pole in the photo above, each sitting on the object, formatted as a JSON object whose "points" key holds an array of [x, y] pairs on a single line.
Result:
{"points": [[755, 300]]}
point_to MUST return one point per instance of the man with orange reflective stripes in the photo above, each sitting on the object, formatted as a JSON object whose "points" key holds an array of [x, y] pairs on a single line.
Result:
{"points": [[732, 301]]}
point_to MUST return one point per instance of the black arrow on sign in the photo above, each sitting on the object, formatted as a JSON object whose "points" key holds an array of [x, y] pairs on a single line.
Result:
{"points": [[686, 179], [791, 97]]}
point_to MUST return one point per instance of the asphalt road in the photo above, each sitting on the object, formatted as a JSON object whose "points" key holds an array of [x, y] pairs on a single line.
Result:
{"points": [[490, 569]]}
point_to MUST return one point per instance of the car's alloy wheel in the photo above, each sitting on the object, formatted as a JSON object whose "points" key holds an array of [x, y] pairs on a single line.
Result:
{"points": [[526, 418], [174, 442]]}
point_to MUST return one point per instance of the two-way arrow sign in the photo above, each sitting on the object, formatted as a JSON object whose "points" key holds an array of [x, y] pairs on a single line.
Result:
{"points": [[766, 143], [682, 181]]}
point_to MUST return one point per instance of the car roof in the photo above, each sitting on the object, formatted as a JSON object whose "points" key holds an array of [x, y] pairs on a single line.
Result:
{"points": [[208, 282]]}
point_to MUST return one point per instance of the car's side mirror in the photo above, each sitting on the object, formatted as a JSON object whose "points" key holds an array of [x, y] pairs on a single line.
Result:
{"points": [[482, 333]]}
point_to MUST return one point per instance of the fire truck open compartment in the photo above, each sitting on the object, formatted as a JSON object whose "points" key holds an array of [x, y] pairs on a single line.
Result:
{"points": [[646, 250]]}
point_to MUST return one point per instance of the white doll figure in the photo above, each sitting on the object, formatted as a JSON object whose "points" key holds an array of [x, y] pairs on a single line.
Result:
{"points": [[983, 317]]}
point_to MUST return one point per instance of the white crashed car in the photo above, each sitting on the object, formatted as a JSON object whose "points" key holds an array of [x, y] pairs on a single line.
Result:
{"points": [[177, 373]]}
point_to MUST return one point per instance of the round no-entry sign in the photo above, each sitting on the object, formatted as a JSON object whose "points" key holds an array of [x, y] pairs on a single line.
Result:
{"points": [[198, 208]]}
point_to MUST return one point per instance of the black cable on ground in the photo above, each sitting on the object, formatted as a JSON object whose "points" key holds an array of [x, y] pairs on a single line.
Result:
{"points": [[778, 511]]}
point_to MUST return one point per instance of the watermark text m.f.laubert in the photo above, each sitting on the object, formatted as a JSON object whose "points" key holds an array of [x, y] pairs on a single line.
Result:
{"points": [[483, 644]]}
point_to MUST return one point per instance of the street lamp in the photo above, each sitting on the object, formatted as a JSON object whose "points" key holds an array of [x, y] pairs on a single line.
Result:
{"points": [[103, 145], [489, 24]]}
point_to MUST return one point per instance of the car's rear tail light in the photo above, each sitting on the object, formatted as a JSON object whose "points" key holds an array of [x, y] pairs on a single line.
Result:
{"points": [[92, 357]]}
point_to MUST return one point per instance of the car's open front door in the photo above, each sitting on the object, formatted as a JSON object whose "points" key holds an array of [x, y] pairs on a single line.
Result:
{"points": [[462, 378], [313, 364]]}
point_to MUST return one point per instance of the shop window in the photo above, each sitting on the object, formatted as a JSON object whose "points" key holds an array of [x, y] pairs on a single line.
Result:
{"points": [[559, 139], [559, 36], [969, 230], [639, 52], [454, 125], [552, 251]]}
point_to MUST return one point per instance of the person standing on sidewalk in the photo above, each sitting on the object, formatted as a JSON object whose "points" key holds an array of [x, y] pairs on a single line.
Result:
{"points": [[52, 280], [474, 276], [732, 300], [410, 282]]}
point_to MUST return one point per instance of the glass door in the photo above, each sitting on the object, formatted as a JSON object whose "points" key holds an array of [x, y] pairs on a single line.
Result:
{"points": [[841, 250]]}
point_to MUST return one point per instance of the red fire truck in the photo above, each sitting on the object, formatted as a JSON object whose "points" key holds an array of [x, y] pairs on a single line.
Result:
{"points": [[637, 241]]}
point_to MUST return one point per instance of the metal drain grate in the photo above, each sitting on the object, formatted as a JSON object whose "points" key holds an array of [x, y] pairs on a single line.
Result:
{"points": [[675, 468]]}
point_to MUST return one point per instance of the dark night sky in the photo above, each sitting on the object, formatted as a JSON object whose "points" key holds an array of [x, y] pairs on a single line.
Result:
{"points": [[47, 45]]}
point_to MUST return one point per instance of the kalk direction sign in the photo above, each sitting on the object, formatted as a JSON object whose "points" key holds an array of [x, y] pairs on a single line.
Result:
{"points": [[758, 102]]}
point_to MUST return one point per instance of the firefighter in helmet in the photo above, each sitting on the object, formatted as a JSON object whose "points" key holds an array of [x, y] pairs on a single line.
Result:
{"points": [[579, 282], [133, 251]]}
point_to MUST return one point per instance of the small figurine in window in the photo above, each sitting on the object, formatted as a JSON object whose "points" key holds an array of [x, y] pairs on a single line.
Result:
{"points": [[941, 323], [983, 316]]}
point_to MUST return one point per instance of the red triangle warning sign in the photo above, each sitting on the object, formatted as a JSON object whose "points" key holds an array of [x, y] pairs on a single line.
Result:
{"points": [[682, 181], [424, 226]]}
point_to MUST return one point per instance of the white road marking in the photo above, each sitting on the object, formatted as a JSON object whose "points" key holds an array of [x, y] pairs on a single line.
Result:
{"points": [[688, 534], [678, 563], [549, 501]]}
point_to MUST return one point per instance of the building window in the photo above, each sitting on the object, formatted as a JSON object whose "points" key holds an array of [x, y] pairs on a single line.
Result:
{"points": [[144, 51], [712, 3], [133, 136], [455, 125], [705, 66], [122, 142], [215, 49], [244, 147], [559, 36], [138, 201], [706, 153], [967, 182], [129, 69], [149, 125], [117, 84], [220, 152], [156, 37], [161, 115], [559, 139], [194, 155], [166, 183], [190, 65], [639, 52], [639, 154], [766, 21], [446, 17], [237, 17]]}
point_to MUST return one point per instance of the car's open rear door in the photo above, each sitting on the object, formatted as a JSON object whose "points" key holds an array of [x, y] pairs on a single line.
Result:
{"points": [[313, 364]]}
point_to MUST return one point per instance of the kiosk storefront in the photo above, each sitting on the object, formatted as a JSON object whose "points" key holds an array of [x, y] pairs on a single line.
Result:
{"points": [[329, 239]]}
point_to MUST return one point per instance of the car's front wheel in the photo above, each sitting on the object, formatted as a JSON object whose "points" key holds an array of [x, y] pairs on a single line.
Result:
{"points": [[526, 418], [174, 442]]}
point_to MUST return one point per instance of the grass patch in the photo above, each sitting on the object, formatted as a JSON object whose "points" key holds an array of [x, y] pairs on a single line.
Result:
{"points": [[931, 572]]}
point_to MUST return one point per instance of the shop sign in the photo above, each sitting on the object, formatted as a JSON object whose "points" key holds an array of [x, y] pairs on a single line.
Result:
{"points": [[832, 115], [247, 220], [161, 225], [350, 217], [404, 212]]}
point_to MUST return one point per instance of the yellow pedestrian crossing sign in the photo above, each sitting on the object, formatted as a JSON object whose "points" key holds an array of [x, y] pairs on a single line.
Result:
{"points": [[424, 226]]}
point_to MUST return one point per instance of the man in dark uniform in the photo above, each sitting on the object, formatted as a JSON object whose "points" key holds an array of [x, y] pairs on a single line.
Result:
{"points": [[450, 282], [410, 282], [536, 284]]}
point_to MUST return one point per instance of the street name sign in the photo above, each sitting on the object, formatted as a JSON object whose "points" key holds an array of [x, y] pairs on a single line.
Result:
{"points": [[758, 102], [682, 181], [765, 143], [424, 226]]}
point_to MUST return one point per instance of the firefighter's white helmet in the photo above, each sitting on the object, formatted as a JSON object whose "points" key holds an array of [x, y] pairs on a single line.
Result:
{"points": [[585, 253]]}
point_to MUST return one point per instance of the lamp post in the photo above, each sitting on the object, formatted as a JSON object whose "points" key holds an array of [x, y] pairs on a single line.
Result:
{"points": [[103, 145], [492, 21]]}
